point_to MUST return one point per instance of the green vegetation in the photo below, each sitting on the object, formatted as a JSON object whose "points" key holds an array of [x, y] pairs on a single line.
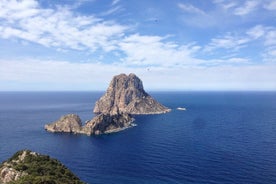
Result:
{"points": [[41, 169]]}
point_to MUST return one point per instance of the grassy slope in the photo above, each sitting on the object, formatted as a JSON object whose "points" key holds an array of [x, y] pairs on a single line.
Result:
{"points": [[42, 169]]}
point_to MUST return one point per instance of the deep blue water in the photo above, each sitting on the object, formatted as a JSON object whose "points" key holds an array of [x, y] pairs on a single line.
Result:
{"points": [[223, 137]]}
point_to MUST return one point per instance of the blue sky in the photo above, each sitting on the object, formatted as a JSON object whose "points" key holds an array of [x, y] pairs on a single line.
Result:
{"points": [[170, 45]]}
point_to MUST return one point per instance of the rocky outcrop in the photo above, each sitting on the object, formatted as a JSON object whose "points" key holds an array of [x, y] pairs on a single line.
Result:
{"points": [[107, 123], [124, 97], [70, 123], [101, 124], [30, 167], [126, 94], [8, 174]]}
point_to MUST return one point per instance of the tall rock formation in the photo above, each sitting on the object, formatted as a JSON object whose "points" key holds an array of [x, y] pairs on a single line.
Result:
{"points": [[126, 94]]}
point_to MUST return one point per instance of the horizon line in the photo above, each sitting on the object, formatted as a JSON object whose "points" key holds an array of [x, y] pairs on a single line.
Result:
{"points": [[175, 90]]}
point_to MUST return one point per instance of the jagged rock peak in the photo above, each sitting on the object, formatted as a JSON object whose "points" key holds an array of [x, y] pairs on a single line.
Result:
{"points": [[126, 94], [126, 81]]}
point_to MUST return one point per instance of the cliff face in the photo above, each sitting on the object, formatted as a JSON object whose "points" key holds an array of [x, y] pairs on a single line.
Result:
{"points": [[30, 167], [126, 94]]}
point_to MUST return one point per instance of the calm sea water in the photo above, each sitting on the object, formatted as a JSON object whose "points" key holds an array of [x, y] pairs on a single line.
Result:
{"points": [[221, 137]]}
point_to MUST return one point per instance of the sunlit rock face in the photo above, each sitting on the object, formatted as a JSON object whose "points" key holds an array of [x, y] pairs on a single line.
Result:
{"points": [[126, 94]]}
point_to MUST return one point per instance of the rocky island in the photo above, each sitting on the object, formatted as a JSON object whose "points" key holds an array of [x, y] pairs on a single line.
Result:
{"points": [[124, 97], [126, 94], [30, 167]]}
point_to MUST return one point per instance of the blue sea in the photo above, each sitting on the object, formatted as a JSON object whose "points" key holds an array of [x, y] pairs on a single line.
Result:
{"points": [[222, 137]]}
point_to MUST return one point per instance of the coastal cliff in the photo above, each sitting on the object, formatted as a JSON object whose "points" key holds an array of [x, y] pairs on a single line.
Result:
{"points": [[124, 97], [30, 167], [126, 94]]}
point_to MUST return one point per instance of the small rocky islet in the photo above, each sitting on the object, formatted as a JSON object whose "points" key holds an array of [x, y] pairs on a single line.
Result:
{"points": [[124, 97]]}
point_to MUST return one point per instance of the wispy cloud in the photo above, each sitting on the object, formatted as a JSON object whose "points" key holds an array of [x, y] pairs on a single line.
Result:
{"points": [[112, 10], [190, 9], [60, 27], [268, 33], [256, 32], [259, 36], [155, 57], [248, 7], [270, 37], [115, 7], [228, 41], [77, 3], [115, 2], [229, 5], [210, 17], [142, 50], [269, 55]]}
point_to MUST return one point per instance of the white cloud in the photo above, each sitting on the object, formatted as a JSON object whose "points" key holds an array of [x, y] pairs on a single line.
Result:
{"points": [[270, 37], [111, 11], [115, 2], [226, 42], [268, 33], [228, 61], [272, 53], [154, 50], [229, 5], [225, 4], [235, 41], [59, 27], [248, 7], [257, 31], [190, 8], [13, 10], [62, 75], [269, 55], [163, 63]]}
